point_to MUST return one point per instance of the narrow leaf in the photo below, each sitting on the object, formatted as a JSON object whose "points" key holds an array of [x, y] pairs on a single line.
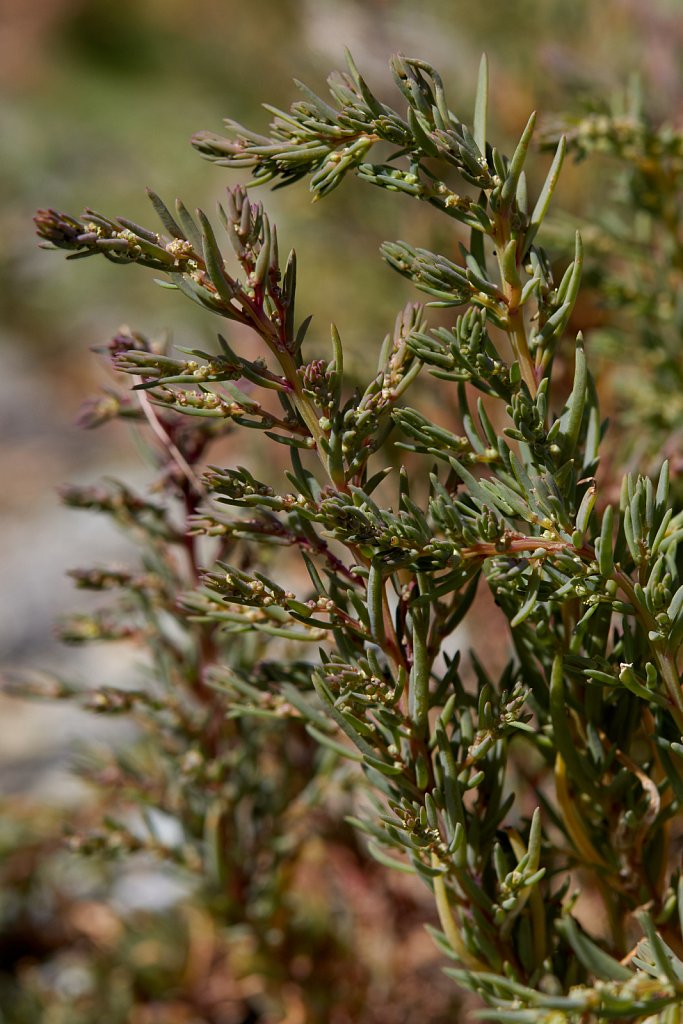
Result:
{"points": [[481, 105], [517, 162], [543, 202], [589, 953]]}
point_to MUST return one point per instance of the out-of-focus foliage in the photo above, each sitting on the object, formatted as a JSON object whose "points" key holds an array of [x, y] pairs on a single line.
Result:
{"points": [[273, 893], [98, 95], [635, 262], [103, 103], [72, 954]]}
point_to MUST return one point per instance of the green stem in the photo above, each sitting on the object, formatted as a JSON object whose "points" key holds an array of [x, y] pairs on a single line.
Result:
{"points": [[520, 344], [419, 675], [505, 241], [449, 925], [303, 405]]}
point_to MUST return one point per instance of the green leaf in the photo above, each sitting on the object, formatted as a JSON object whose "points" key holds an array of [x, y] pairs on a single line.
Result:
{"points": [[517, 162], [378, 854], [604, 543], [543, 202], [191, 230], [589, 953], [165, 215], [222, 282], [657, 948], [531, 601], [375, 602], [324, 740], [573, 415], [577, 766], [481, 105]]}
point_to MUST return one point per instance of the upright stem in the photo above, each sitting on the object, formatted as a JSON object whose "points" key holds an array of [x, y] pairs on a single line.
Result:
{"points": [[520, 344], [512, 291]]}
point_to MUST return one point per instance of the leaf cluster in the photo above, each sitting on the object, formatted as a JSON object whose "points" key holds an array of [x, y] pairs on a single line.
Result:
{"points": [[585, 723]]}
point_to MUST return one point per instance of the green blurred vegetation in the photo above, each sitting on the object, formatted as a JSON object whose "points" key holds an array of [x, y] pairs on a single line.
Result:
{"points": [[97, 100], [100, 99]]}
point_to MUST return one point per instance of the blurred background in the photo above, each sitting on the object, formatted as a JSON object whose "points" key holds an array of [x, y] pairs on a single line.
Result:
{"points": [[98, 99]]}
